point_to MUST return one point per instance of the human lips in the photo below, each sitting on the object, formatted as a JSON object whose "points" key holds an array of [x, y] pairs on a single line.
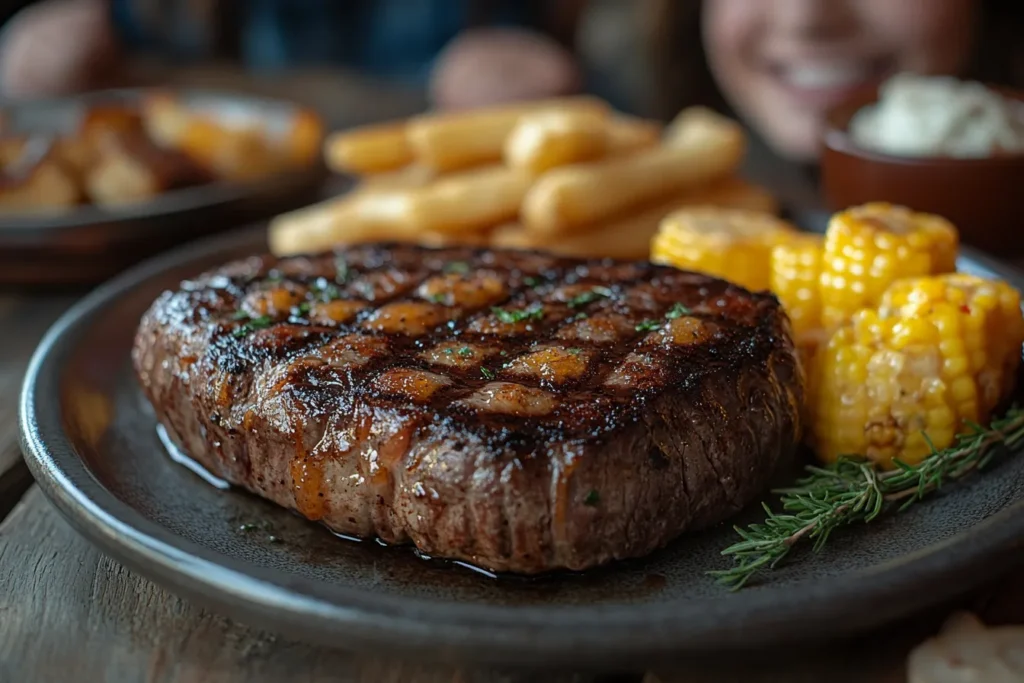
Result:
{"points": [[826, 83]]}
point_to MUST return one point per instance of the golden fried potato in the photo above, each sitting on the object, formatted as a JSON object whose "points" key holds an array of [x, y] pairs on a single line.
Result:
{"points": [[369, 149], [630, 236], [349, 219], [119, 179], [628, 134], [231, 152], [413, 175], [451, 141], [128, 167], [556, 137], [566, 200], [465, 202], [45, 187]]}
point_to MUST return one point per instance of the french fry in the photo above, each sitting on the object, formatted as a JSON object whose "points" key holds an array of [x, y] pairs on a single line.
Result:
{"points": [[413, 175], [369, 149], [630, 237], [556, 137], [451, 141], [450, 209], [466, 239], [349, 219], [628, 134], [466, 202], [568, 199], [694, 124]]}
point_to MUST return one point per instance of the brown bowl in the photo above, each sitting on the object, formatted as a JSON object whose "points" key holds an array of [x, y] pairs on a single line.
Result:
{"points": [[984, 198]]}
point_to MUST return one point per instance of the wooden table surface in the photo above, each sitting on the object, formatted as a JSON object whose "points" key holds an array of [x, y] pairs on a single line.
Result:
{"points": [[68, 613]]}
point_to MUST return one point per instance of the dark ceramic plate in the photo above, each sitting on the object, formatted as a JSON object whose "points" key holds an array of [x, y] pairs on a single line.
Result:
{"points": [[92, 444], [88, 244]]}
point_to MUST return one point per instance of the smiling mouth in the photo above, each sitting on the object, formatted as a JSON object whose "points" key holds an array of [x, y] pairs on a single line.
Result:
{"points": [[832, 76]]}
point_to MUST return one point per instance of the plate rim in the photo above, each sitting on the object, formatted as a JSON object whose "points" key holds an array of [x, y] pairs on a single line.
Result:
{"points": [[575, 634]]}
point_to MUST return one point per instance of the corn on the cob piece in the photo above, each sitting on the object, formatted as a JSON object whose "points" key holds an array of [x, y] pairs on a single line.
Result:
{"points": [[938, 354], [993, 329], [729, 243], [794, 277], [869, 247]]}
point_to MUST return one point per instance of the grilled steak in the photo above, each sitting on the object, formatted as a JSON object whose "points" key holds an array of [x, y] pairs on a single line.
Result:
{"points": [[515, 410]]}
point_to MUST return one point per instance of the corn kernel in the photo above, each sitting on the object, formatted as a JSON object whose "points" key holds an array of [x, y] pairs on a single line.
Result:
{"points": [[938, 352], [727, 243], [869, 247]]}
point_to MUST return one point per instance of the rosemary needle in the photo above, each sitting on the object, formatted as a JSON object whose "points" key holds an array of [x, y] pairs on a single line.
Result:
{"points": [[853, 490]]}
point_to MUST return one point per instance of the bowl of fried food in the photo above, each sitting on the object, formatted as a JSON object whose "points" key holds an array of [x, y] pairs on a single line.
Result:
{"points": [[89, 185], [569, 176]]}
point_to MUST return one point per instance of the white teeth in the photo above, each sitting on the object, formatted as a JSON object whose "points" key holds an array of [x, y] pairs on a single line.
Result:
{"points": [[825, 76]]}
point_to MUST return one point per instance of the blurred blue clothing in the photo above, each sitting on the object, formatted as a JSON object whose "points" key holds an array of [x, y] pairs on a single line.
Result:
{"points": [[390, 38]]}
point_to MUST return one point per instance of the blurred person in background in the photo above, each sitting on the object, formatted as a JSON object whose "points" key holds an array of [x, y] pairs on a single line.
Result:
{"points": [[782, 64], [779, 65], [468, 53]]}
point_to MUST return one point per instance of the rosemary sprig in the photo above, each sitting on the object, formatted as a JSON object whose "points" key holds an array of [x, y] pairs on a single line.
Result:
{"points": [[853, 490]]}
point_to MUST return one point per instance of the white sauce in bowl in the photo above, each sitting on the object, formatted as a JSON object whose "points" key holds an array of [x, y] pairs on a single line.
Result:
{"points": [[939, 116]]}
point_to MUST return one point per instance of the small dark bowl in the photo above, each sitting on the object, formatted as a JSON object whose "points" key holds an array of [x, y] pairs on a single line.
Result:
{"points": [[984, 198]]}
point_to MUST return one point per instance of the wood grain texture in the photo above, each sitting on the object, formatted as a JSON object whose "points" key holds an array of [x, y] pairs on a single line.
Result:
{"points": [[68, 613], [24, 320]]}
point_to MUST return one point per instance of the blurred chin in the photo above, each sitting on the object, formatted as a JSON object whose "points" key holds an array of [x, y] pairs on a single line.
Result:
{"points": [[797, 145], [794, 135]]}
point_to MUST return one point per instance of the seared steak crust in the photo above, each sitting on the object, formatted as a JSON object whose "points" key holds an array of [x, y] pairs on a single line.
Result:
{"points": [[515, 410]]}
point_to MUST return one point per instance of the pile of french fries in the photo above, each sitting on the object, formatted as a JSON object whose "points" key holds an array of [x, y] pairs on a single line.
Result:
{"points": [[568, 175]]}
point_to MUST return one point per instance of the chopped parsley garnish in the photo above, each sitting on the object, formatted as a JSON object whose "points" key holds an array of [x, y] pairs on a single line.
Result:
{"points": [[456, 268], [240, 315], [449, 352], [580, 316], [575, 351], [341, 270], [438, 298], [648, 326], [487, 374], [324, 290], [592, 499], [590, 296], [465, 352], [531, 312], [531, 281], [503, 353], [248, 526], [252, 325], [274, 277], [678, 311]]}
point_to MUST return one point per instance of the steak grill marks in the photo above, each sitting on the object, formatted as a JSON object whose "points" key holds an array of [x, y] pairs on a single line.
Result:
{"points": [[517, 356]]}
